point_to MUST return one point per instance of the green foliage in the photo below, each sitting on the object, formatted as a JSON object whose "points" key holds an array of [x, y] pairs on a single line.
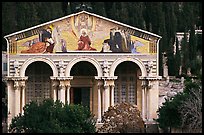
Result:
{"points": [[169, 115], [170, 111], [191, 109], [53, 117]]}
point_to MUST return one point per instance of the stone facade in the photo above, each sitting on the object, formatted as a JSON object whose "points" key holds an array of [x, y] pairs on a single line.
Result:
{"points": [[61, 79]]}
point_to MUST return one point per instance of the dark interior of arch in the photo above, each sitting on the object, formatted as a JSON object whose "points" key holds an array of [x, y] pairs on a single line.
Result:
{"points": [[38, 67], [126, 67], [83, 68]]}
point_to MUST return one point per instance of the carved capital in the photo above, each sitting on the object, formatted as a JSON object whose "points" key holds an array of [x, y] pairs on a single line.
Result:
{"points": [[62, 85], [22, 84], [16, 85]]}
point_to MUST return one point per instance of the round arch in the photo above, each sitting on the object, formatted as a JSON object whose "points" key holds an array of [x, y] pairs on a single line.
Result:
{"points": [[31, 60], [76, 60], [135, 60]]}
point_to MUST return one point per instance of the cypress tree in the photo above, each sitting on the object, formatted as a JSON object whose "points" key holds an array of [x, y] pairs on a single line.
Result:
{"points": [[9, 22], [68, 9], [185, 52], [99, 8], [177, 59], [56, 10]]}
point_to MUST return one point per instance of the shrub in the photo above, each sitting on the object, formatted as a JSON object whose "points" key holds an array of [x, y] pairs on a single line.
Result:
{"points": [[122, 118], [53, 117]]}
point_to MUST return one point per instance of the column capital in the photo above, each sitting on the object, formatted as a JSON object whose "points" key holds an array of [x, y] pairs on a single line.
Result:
{"points": [[113, 85], [23, 84], [16, 85], [62, 85], [109, 81], [19, 83], [14, 78]]}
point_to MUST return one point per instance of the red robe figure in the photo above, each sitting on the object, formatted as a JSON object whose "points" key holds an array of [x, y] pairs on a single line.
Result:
{"points": [[84, 41]]}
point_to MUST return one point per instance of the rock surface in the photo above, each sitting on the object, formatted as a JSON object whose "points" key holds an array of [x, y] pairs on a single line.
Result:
{"points": [[169, 88]]}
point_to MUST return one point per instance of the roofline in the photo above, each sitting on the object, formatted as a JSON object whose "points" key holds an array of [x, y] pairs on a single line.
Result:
{"points": [[59, 19]]}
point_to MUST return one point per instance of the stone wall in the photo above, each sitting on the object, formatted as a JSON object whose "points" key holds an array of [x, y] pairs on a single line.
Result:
{"points": [[169, 87]]}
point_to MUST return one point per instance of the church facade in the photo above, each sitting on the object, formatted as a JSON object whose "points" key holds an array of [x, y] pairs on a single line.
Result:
{"points": [[87, 59]]}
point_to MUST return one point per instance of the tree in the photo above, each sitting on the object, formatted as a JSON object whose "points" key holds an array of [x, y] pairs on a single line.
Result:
{"points": [[191, 109], [68, 9], [53, 117], [9, 22], [3, 103], [192, 49], [122, 118], [177, 59], [183, 110], [168, 114], [185, 53], [99, 8]]}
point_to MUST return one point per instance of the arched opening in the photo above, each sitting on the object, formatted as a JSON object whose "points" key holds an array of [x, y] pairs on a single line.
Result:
{"points": [[83, 84], [38, 86], [127, 84], [83, 68]]}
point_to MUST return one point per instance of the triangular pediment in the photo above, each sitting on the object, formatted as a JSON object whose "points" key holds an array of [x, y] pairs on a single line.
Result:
{"points": [[83, 31]]}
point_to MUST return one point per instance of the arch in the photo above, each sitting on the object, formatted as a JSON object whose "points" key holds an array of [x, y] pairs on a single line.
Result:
{"points": [[76, 60], [31, 60], [135, 60]]}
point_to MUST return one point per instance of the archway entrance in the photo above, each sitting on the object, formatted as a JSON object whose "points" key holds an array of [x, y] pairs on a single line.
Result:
{"points": [[127, 84], [38, 86], [83, 84]]}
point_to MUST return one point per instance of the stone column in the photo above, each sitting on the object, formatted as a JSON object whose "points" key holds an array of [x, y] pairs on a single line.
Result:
{"points": [[54, 92], [108, 100], [62, 92], [17, 97], [68, 86], [68, 94], [103, 101], [22, 96], [144, 99], [64, 88], [106, 97], [10, 101], [112, 94], [153, 98], [150, 97], [147, 103], [16, 101], [99, 100]]}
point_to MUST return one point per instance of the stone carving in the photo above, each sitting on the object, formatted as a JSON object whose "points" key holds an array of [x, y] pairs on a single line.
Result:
{"points": [[61, 68], [106, 67], [16, 67], [149, 67], [16, 85]]}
